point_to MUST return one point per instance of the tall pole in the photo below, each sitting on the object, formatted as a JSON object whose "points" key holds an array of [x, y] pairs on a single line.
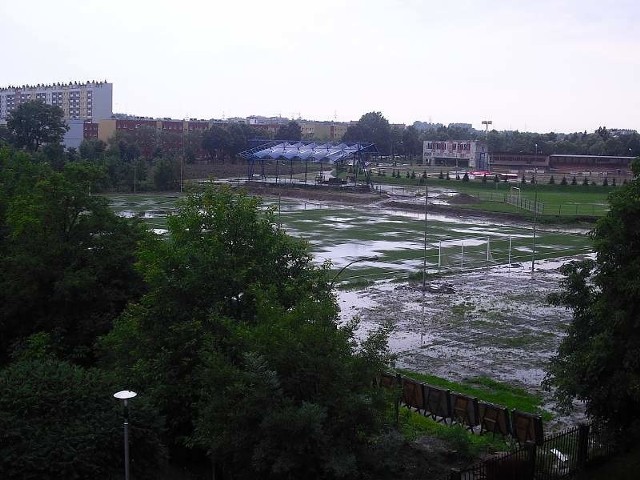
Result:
{"points": [[125, 395], [486, 124], [535, 210], [126, 440], [424, 255], [182, 158]]}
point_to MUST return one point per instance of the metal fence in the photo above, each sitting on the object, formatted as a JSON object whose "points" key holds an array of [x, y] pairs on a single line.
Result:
{"points": [[561, 455]]}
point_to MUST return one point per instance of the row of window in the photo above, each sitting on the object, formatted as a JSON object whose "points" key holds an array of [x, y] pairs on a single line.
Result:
{"points": [[445, 146]]}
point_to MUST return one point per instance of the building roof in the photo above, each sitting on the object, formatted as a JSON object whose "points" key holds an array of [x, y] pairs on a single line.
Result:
{"points": [[292, 150]]}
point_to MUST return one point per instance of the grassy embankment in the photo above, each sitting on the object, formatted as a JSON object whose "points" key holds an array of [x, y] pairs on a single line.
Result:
{"points": [[413, 425]]}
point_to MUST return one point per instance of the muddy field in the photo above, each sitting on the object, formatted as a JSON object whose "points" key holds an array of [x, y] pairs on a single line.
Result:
{"points": [[491, 320]]}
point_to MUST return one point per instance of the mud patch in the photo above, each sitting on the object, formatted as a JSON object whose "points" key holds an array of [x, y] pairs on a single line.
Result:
{"points": [[494, 323]]}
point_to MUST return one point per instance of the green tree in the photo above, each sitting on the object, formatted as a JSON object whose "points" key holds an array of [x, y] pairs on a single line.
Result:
{"points": [[216, 142], [290, 131], [92, 149], [166, 174], [34, 123], [599, 359], [240, 135], [411, 142], [238, 340], [372, 127], [5, 136], [67, 260], [60, 420]]}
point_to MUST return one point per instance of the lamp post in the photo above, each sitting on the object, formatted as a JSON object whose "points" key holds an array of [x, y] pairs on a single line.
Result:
{"points": [[125, 395], [375, 258]]}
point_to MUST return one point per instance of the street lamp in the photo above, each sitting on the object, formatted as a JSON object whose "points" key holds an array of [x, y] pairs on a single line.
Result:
{"points": [[375, 258], [125, 395]]}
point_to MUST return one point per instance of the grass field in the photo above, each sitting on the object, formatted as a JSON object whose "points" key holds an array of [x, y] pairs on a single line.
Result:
{"points": [[562, 200], [343, 234]]}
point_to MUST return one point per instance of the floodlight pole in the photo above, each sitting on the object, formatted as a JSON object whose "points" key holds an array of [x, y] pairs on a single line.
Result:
{"points": [[535, 210], [486, 124], [424, 255]]}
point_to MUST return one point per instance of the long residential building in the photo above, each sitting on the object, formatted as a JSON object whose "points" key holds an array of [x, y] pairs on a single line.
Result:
{"points": [[79, 101]]}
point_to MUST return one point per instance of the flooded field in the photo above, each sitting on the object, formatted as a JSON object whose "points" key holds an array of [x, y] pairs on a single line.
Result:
{"points": [[485, 312]]}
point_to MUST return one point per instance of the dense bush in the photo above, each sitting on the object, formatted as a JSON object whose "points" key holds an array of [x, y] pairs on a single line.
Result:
{"points": [[61, 421]]}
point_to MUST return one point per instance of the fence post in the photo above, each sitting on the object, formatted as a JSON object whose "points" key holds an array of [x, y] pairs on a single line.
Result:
{"points": [[455, 474], [398, 398], [583, 445], [530, 447]]}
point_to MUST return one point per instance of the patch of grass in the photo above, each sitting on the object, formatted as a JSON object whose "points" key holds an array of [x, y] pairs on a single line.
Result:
{"points": [[489, 390], [356, 284], [414, 425]]}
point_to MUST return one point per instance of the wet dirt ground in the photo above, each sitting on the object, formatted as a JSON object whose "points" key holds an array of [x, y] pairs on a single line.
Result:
{"points": [[495, 323]]}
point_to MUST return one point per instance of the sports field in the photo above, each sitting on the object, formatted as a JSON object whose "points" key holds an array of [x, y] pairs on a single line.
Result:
{"points": [[344, 233], [554, 200], [485, 315]]}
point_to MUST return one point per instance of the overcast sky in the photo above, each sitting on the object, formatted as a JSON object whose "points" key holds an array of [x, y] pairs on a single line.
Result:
{"points": [[545, 65]]}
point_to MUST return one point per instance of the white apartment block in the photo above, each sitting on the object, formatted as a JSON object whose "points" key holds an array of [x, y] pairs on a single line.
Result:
{"points": [[79, 101]]}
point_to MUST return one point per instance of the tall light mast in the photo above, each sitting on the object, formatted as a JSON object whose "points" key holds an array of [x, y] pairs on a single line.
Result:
{"points": [[486, 124]]}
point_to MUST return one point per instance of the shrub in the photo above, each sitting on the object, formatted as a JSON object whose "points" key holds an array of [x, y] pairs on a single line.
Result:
{"points": [[61, 421], [466, 177], [564, 181], [441, 176], [605, 182], [585, 181], [574, 181], [552, 181]]}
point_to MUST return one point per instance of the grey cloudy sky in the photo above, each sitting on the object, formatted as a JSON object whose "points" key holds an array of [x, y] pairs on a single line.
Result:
{"points": [[563, 65]]}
